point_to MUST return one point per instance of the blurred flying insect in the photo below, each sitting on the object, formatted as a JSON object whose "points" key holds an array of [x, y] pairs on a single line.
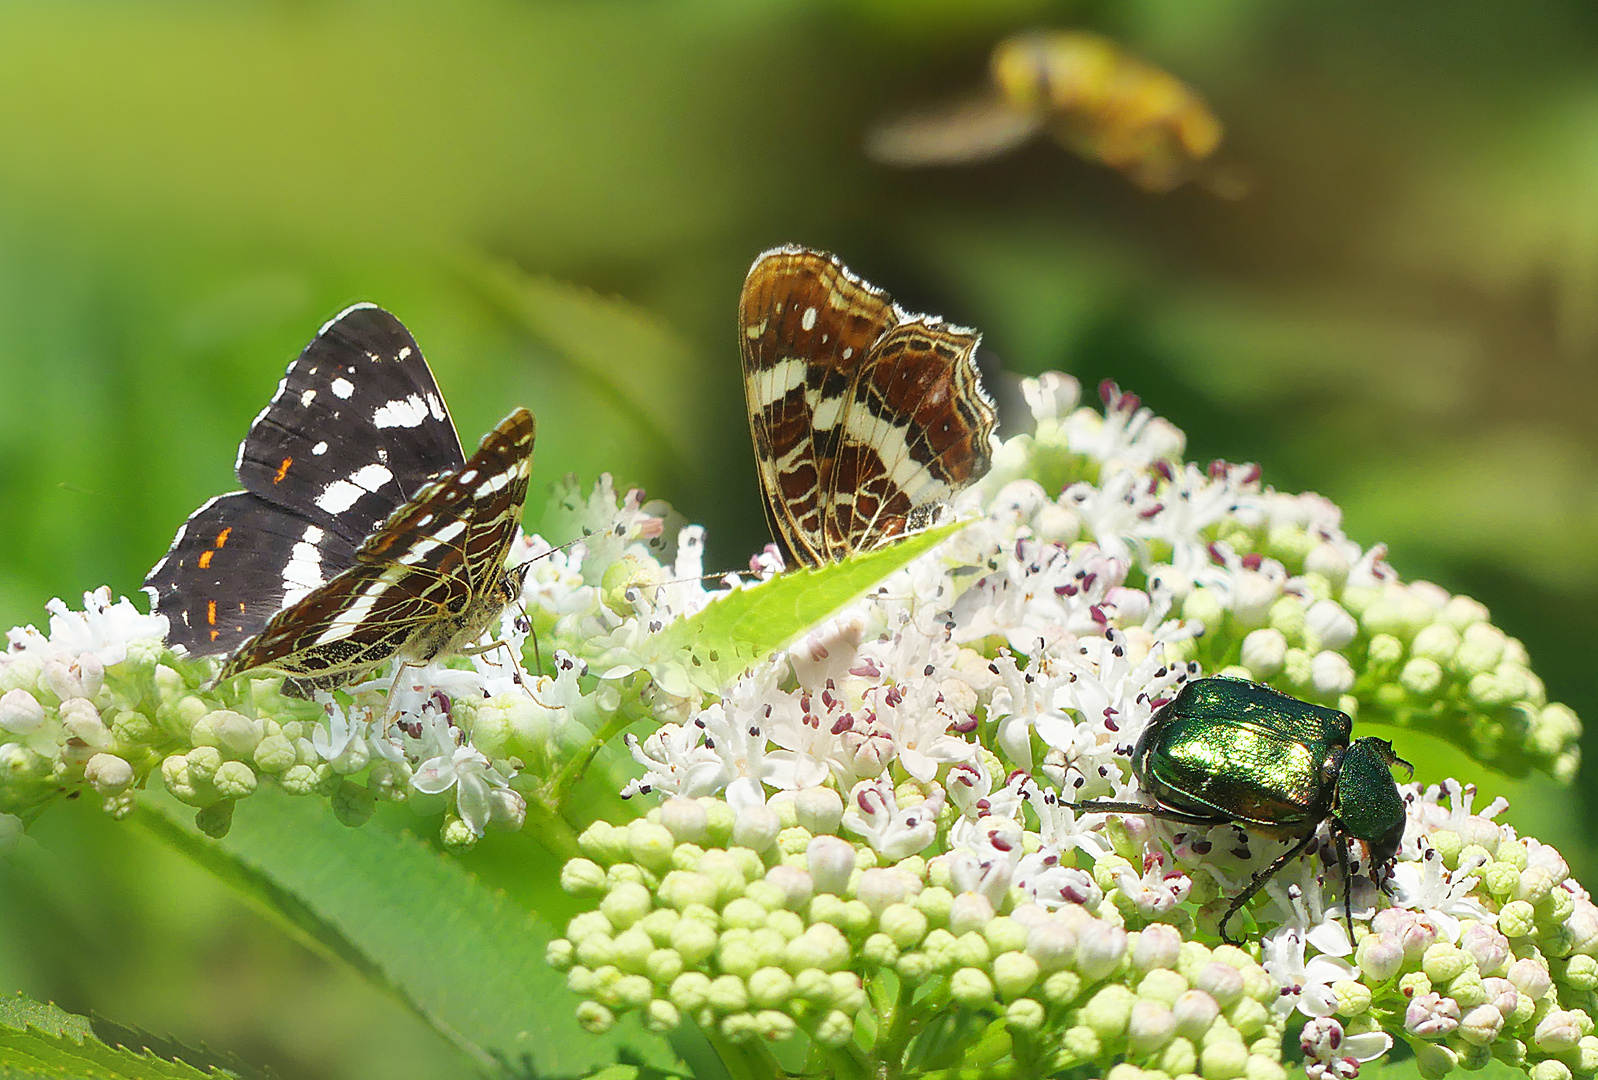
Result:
{"points": [[1087, 93]]}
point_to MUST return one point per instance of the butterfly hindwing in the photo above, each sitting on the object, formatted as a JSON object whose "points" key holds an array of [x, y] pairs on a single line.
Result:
{"points": [[864, 418], [237, 560]]}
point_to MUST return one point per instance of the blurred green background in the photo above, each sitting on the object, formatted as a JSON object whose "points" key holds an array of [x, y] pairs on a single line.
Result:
{"points": [[1400, 315]]}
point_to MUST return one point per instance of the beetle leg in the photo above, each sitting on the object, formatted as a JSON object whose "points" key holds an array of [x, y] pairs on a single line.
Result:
{"points": [[1164, 813], [1259, 881], [1348, 881]]}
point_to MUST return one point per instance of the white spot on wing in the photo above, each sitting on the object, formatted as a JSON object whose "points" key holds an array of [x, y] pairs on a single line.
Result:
{"points": [[405, 352], [304, 570], [401, 412], [319, 449], [808, 320], [342, 387], [306, 398], [436, 407], [340, 495]]}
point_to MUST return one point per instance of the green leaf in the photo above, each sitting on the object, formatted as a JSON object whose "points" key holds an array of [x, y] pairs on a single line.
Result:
{"points": [[40, 1039], [462, 955], [748, 625]]}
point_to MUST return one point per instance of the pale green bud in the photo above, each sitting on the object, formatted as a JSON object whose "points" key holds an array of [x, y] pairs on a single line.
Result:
{"points": [[1421, 676], [835, 1030], [650, 845], [1161, 985], [756, 828], [234, 780], [770, 987], [904, 924], [1004, 934], [971, 950], [625, 904], [1179, 1056], [935, 902], [969, 911], [1014, 973], [1223, 1059], [1025, 1014], [727, 994], [1550, 1069], [690, 991], [683, 887], [1480, 649], [594, 1018], [818, 810], [971, 987], [582, 877], [1108, 1011], [1385, 650], [1438, 642], [1062, 987], [822, 945]]}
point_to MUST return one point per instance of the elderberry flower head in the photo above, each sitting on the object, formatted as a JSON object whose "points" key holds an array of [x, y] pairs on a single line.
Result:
{"points": [[886, 809]]}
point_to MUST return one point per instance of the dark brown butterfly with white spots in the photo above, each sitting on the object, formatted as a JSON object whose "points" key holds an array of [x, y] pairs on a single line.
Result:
{"points": [[363, 532], [865, 418]]}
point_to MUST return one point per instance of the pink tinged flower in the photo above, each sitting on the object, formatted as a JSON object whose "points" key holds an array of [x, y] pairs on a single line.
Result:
{"points": [[1530, 978], [1381, 956], [1431, 1016], [1485, 945], [1159, 890], [1561, 1030], [1414, 931], [895, 833]]}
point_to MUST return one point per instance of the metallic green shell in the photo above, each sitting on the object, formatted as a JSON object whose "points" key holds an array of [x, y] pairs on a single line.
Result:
{"points": [[1233, 750]]}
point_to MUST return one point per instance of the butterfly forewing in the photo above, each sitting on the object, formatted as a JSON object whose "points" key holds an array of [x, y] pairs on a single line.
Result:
{"points": [[357, 425], [428, 582], [864, 418], [357, 422]]}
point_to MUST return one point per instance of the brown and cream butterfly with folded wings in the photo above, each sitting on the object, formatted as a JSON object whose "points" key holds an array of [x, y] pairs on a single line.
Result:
{"points": [[865, 418]]}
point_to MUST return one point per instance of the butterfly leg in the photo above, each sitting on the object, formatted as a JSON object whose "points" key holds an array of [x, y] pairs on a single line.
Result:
{"points": [[516, 667]]}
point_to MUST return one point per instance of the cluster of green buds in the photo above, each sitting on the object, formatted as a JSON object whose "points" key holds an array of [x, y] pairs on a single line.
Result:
{"points": [[762, 923]]}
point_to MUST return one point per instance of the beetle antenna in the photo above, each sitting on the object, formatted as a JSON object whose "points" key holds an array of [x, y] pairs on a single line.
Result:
{"points": [[1348, 881]]}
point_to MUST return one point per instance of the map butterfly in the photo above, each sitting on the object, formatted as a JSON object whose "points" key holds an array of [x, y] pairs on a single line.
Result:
{"points": [[865, 418], [363, 532]]}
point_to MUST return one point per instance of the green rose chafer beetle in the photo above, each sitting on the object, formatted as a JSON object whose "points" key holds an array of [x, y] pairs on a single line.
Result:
{"points": [[1229, 751]]}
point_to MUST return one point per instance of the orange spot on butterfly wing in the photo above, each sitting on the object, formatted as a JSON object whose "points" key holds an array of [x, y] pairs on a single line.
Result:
{"points": [[205, 558], [282, 470]]}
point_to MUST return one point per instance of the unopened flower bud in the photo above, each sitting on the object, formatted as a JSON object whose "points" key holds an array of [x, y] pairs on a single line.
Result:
{"points": [[685, 819], [819, 809], [1559, 1031], [1327, 625], [1156, 946], [1100, 952], [756, 827], [82, 721], [1331, 673], [108, 774], [20, 712], [1149, 1027], [1264, 652], [831, 861], [970, 912], [1431, 1015], [1530, 977]]}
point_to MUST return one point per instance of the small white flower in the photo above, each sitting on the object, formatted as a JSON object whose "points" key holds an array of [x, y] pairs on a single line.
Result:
{"points": [[895, 832]]}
